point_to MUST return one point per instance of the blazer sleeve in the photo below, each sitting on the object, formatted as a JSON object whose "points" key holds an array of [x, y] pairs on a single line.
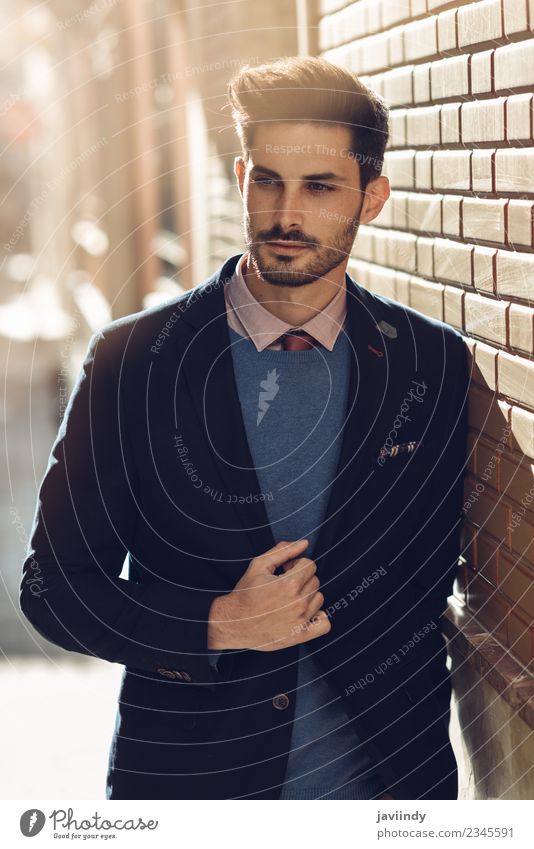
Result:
{"points": [[432, 556], [84, 526]]}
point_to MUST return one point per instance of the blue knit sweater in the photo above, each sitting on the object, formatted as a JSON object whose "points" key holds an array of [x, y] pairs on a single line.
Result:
{"points": [[294, 405]]}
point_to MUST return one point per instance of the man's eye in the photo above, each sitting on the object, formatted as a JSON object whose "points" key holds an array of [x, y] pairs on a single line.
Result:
{"points": [[321, 188], [264, 181]]}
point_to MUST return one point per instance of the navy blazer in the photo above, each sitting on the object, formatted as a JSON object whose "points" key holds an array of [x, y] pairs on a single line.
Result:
{"points": [[152, 461]]}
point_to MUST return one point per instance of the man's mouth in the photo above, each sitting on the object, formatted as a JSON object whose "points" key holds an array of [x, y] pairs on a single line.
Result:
{"points": [[287, 247]]}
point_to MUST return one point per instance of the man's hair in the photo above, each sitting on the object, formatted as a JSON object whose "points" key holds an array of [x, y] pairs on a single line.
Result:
{"points": [[309, 88]]}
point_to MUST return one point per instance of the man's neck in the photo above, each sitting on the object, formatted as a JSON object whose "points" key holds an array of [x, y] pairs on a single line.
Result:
{"points": [[294, 304]]}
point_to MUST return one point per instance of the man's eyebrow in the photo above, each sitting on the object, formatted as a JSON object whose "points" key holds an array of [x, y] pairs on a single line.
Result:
{"points": [[325, 175]]}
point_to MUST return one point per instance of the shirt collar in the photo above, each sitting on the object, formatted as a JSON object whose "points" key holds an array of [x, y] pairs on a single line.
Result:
{"points": [[264, 328]]}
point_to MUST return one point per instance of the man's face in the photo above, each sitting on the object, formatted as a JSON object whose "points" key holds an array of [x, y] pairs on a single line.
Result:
{"points": [[302, 200]]}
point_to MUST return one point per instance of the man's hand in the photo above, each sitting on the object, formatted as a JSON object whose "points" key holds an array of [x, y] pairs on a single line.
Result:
{"points": [[267, 612]]}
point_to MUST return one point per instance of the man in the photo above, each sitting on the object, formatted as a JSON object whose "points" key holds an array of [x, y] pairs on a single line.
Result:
{"points": [[280, 453]]}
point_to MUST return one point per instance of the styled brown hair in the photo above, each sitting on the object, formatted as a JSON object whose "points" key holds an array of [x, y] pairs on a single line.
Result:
{"points": [[309, 88]]}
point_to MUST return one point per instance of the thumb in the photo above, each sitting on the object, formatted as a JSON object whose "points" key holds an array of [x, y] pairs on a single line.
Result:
{"points": [[278, 555]]}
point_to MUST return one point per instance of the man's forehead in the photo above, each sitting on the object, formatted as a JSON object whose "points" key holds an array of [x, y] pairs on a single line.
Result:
{"points": [[302, 158]]}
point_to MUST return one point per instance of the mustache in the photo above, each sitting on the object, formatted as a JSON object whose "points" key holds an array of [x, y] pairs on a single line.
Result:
{"points": [[275, 236]]}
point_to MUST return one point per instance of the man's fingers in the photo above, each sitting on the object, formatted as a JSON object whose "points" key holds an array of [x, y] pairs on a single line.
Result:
{"points": [[310, 587], [318, 625], [278, 555]]}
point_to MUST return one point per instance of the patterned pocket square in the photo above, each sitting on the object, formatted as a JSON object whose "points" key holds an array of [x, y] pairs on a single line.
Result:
{"points": [[402, 448]]}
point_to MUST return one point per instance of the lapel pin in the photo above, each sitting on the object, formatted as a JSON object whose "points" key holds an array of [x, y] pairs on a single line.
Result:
{"points": [[375, 351], [387, 329]]}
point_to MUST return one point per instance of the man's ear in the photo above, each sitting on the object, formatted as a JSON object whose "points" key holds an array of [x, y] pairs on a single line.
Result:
{"points": [[239, 171], [376, 195]]}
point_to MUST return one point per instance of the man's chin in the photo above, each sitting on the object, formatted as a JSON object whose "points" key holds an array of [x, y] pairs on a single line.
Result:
{"points": [[281, 276]]}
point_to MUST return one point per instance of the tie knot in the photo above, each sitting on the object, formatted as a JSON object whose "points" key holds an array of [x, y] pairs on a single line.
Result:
{"points": [[297, 340]]}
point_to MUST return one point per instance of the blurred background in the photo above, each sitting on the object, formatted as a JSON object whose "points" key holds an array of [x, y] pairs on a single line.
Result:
{"points": [[117, 192]]}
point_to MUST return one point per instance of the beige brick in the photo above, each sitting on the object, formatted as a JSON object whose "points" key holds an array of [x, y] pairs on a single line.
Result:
{"points": [[484, 219], [484, 268], [421, 39], [402, 285], [483, 120], [516, 478], [520, 223], [479, 22], [421, 83], [450, 215], [489, 415], [375, 82], [492, 515], [485, 372], [365, 244], [427, 297], [385, 216], [514, 170], [451, 170], [424, 212], [453, 307], [515, 274], [380, 243], [399, 210], [394, 11], [520, 637], [449, 77], [418, 8], [519, 117], [523, 431], [487, 557], [400, 251], [516, 380], [522, 328], [486, 318], [398, 86], [373, 54], [489, 606], [482, 170], [517, 584], [515, 16], [326, 33], [397, 127], [450, 123], [481, 76], [396, 47], [423, 126], [425, 256], [423, 169], [452, 261], [447, 31], [382, 281], [522, 535], [399, 167], [514, 65]]}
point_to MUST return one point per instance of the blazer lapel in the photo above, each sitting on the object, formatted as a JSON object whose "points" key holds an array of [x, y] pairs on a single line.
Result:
{"points": [[375, 387], [207, 366]]}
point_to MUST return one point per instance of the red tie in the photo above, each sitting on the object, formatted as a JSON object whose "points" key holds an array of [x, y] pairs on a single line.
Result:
{"points": [[297, 340]]}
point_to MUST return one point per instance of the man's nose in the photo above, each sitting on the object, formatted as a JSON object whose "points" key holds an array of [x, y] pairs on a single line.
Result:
{"points": [[288, 212]]}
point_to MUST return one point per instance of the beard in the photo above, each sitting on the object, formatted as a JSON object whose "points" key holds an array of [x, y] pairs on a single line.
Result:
{"points": [[318, 262]]}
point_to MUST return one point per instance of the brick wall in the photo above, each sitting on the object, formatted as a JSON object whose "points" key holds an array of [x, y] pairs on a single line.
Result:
{"points": [[455, 241]]}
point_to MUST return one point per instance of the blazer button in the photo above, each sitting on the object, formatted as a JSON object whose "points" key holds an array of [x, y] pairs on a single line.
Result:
{"points": [[167, 673], [281, 701]]}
